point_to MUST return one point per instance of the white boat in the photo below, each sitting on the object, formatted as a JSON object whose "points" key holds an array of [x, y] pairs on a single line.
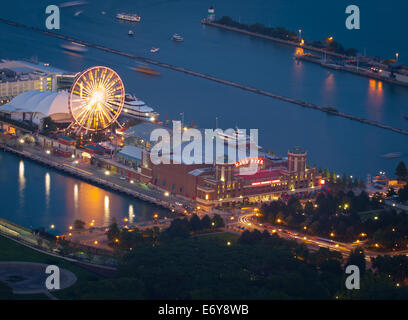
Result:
{"points": [[392, 155], [131, 33], [103, 12], [137, 109], [154, 50], [177, 37], [74, 47], [128, 17]]}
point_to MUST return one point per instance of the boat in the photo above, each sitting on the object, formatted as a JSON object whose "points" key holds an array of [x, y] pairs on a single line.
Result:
{"points": [[154, 50], [137, 109], [146, 70], [392, 155], [176, 37], [131, 33], [406, 117], [74, 47], [103, 12], [128, 17]]}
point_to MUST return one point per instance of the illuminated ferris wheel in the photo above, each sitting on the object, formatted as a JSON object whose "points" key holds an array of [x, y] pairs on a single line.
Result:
{"points": [[96, 99]]}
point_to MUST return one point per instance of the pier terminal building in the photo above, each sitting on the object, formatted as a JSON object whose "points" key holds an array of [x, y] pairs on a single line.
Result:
{"points": [[210, 185]]}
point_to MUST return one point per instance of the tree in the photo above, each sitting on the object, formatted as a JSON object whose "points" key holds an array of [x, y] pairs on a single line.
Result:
{"points": [[401, 171], [195, 223], [48, 125], [206, 222], [218, 221], [113, 232], [79, 224], [179, 228], [357, 258]]}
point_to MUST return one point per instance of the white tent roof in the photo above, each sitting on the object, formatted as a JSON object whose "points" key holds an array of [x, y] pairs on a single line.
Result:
{"points": [[46, 103]]}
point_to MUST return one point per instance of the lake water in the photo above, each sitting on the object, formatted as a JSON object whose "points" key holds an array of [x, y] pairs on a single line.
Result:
{"points": [[333, 142]]}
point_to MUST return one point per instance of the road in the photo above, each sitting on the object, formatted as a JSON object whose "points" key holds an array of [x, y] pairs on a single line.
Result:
{"points": [[313, 243]]}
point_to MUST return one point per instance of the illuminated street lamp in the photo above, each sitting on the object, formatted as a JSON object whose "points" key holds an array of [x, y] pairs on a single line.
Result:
{"points": [[396, 57]]}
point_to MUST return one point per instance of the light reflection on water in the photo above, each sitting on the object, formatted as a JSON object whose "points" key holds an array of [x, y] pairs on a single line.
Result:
{"points": [[21, 182], [47, 189], [34, 196]]}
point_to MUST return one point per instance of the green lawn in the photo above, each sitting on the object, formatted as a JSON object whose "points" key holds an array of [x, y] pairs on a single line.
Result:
{"points": [[219, 237], [12, 251]]}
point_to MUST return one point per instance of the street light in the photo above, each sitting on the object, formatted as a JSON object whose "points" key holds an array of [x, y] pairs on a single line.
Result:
{"points": [[396, 57]]}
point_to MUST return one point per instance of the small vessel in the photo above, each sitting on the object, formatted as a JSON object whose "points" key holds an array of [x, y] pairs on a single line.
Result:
{"points": [[406, 117], [146, 70], [132, 17], [103, 12], [78, 13], [135, 108], [131, 33], [176, 37], [392, 155], [154, 50], [74, 47]]}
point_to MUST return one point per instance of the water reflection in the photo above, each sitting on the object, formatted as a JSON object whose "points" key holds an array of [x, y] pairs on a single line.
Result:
{"points": [[375, 97], [47, 190], [21, 183], [131, 213], [106, 211], [76, 197]]}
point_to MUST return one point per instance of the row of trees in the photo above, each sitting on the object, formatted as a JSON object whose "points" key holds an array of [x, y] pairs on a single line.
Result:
{"points": [[339, 216], [127, 239], [255, 266], [285, 34]]}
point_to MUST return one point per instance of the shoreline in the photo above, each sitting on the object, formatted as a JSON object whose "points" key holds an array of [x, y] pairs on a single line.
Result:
{"points": [[362, 73], [82, 175], [325, 109]]}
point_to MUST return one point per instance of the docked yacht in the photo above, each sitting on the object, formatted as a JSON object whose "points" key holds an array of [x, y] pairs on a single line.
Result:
{"points": [[154, 50], [137, 109]]}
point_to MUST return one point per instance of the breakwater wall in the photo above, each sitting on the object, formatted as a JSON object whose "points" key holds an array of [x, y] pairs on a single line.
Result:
{"points": [[301, 103], [274, 39]]}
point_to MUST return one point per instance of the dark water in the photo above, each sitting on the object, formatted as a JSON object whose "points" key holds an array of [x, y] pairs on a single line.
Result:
{"points": [[337, 143], [35, 196]]}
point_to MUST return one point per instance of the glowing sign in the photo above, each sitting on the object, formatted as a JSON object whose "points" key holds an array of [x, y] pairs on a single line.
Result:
{"points": [[322, 181], [246, 161], [261, 183]]}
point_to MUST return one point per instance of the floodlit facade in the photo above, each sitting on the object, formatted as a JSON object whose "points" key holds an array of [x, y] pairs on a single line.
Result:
{"points": [[17, 77]]}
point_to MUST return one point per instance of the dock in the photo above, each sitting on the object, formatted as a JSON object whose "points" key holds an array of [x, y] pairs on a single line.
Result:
{"points": [[328, 110], [349, 68]]}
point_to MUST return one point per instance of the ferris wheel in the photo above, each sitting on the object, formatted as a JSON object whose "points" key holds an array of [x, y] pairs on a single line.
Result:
{"points": [[96, 99]]}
